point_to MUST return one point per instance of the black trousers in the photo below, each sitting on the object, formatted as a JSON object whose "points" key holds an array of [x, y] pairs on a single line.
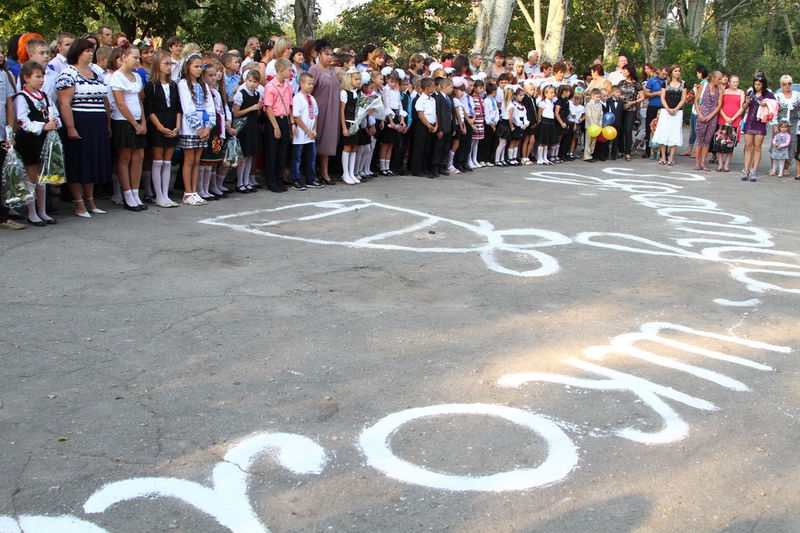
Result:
{"points": [[464, 146], [652, 113], [422, 149], [441, 150], [625, 133], [276, 151], [566, 142], [3, 208], [486, 146]]}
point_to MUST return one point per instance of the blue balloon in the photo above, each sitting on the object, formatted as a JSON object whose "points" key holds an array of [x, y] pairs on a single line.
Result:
{"points": [[609, 119]]}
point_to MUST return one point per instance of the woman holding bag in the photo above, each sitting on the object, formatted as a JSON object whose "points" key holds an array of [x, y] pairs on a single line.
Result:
{"points": [[754, 130]]}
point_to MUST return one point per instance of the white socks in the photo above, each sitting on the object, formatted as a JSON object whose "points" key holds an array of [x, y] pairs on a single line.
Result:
{"points": [[36, 209], [473, 154], [349, 166], [157, 188], [117, 196], [221, 181], [500, 154], [541, 155], [130, 199], [553, 150], [166, 167], [243, 172]]}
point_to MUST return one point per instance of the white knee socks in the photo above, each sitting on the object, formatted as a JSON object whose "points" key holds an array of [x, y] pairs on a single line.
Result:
{"points": [[243, 172], [166, 167], [500, 154], [157, 188], [473, 154]]}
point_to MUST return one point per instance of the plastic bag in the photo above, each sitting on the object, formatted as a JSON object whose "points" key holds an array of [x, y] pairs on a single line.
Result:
{"points": [[363, 106], [52, 171], [15, 187], [233, 156]]}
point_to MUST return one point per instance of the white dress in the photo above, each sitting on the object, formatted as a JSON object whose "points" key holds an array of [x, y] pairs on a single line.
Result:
{"points": [[669, 131]]}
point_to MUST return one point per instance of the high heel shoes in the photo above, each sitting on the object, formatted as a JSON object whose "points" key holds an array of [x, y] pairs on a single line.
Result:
{"points": [[95, 210], [82, 214]]}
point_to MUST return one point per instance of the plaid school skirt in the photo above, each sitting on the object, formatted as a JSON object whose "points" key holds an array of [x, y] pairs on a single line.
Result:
{"points": [[191, 142]]}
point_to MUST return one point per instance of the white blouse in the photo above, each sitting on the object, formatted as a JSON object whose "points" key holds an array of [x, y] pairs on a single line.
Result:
{"points": [[197, 106], [131, 90]]}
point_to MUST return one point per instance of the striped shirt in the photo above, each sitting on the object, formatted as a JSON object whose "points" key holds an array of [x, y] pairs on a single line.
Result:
{"points": [[90, 94]]}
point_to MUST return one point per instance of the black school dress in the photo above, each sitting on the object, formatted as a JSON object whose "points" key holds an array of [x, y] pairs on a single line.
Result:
{"points": [[165, 104], [29, 145], [249, 136]]}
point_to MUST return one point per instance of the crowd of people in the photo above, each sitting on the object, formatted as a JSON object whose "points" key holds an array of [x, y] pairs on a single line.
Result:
{"points": [[301, 116]]}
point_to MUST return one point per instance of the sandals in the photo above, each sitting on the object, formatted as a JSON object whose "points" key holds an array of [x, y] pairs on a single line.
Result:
{"points": [[627, 157], [671, 163], [193, 199], [662, 162]]}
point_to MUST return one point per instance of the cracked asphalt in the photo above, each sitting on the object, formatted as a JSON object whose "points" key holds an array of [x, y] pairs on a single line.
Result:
{"points": [[147, 345]]}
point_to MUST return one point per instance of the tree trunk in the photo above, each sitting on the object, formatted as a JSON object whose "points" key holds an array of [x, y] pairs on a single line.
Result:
{"points": [[658, 39], [494, 16], [692, 18], [610, 33], [553, 44], [304, 20], [723, 32], [537, 24]]}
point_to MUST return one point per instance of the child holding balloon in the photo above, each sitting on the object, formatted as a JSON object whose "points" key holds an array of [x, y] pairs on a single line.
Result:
{"points": [[593, 112]]}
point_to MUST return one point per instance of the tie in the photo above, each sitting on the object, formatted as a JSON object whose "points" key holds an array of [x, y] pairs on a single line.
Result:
{"points": [[310, 107]]}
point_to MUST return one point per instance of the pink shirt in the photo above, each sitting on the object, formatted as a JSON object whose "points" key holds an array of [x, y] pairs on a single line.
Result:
{"points": [[272, 98]]}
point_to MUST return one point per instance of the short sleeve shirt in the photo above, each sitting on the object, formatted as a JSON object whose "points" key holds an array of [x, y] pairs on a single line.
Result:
{"points": [[630, 90], [131, 89], [90, 94], [279, 98], [302, 110], [6, 91], [655, 85]]}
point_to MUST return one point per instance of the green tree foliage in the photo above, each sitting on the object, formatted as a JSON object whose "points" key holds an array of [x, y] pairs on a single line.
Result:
{"points": [[432, 26], [202, 21]]}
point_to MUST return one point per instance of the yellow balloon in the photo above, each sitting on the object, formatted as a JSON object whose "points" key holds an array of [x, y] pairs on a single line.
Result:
{"points": [[594, 130], [610, 132]]}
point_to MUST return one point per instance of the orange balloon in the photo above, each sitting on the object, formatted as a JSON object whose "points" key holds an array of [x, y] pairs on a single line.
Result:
{"points": [[610, 133]]}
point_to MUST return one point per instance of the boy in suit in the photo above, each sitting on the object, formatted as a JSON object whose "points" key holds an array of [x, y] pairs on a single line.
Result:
{"points": [[594, 116]]}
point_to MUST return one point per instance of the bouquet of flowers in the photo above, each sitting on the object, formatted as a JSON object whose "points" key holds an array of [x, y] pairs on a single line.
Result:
{"points": [[15, 187], [365, 104], [725, 140], [52, 171], [233, 156]]}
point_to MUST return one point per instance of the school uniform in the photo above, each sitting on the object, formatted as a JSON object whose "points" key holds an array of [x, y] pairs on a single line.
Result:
{"points": [[594, 116], [464, 147], [304, 148], [446, 118], [248, 135], [34, 111], [491, 118], [546, 134], [350, 101], [422, 163], [616, 106], [161, 100], [278, 97], [401, 148]]}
